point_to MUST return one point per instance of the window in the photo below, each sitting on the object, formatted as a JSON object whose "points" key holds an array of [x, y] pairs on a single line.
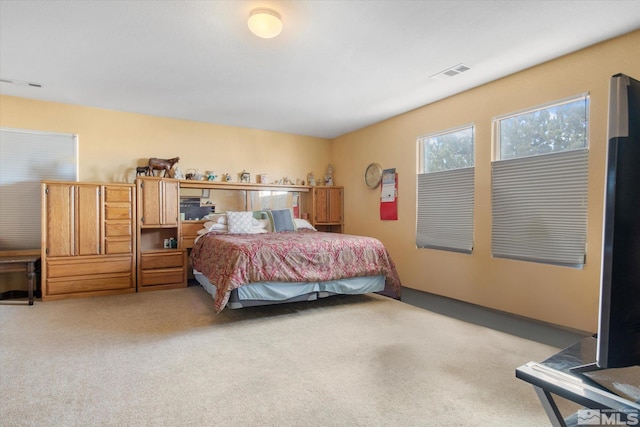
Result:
{"points": [[26, 158], [446, 190], [539, 183]]}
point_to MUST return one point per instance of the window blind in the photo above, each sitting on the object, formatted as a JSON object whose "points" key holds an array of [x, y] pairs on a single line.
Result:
{"points": [[445, 210], [540, 208], [26, 158]]}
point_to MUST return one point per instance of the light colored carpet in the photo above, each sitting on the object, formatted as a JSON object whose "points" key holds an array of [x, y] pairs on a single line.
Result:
{"points": [[165, 359]]}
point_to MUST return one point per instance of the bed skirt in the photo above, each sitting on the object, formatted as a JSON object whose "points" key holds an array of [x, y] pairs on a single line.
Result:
{"points": [[265, 293]]}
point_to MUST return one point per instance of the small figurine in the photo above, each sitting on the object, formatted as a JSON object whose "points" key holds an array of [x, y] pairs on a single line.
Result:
{"points": [[211, 176], [311, 179], [328, 178], [227, 177], [143, 170], [162, 165], [177, 173]]}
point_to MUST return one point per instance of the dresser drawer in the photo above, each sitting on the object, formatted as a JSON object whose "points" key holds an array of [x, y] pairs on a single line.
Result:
{"points": [[112, 212], [115, 245], [112, 229], [93, 283], [88, 266], [189, 232], [191, 228], [169, 276], [163, 259], [118, 194]]}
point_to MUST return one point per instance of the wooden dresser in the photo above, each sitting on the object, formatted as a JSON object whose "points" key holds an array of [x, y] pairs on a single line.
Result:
{"points": [[88, 239]]}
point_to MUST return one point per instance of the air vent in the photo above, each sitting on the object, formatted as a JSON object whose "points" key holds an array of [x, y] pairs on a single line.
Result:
{"points": [[450, 72], [20, 82]]}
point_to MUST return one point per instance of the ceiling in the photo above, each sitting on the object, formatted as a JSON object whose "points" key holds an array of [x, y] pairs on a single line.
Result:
{"points": [[336, 67]]}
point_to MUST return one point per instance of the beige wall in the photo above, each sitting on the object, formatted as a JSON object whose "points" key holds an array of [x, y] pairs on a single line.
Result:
{"points": [[111, 143], [554, 294]]}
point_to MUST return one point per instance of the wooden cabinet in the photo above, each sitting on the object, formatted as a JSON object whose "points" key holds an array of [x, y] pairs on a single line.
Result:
{"points": [[87, 239], [158, 220], [327, 209], [158, 202], [189, 232]]}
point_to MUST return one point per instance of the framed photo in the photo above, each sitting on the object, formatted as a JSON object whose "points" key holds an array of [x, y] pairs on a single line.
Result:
{"points": [[245, 177]]}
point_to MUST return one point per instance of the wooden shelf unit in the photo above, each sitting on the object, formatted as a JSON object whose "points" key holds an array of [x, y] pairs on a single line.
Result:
{"points": [[247, 186], [158, 219], [323, 204]]}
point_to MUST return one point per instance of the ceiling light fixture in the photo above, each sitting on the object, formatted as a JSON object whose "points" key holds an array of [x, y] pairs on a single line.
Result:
{"points": [[265, 23]]}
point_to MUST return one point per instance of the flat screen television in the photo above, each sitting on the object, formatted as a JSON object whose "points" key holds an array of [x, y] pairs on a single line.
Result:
{"points": [[618, 337]]}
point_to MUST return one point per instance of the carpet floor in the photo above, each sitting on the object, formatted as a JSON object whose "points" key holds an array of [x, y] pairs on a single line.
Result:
{"points": [[165, 359]]}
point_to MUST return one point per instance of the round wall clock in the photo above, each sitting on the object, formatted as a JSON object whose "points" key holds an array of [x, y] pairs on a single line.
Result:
{"points": [[373, 175]]}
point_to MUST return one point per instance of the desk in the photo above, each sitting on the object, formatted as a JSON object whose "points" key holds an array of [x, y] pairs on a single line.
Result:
{"points": [[18, 263], [610, 392]]}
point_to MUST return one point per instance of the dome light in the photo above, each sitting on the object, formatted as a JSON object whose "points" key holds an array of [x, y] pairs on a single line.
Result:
{"points": [[265, 23]]}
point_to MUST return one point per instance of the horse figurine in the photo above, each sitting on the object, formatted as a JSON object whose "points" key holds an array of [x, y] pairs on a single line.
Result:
{"points": [[143, 170], [162, 165]]}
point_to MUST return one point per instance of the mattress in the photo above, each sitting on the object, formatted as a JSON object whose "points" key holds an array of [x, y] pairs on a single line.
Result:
{"points": [[263, 293]]}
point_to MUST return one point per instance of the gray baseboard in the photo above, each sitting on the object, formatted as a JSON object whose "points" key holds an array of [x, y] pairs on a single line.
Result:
{"points": [[531, 329]]}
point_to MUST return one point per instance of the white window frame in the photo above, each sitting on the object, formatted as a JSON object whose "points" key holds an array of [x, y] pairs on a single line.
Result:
{"points": [[445, 202], [539, 202], [27, 157]]}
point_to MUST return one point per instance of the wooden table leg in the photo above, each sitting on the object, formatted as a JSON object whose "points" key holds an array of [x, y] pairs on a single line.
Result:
{"points": [[12, 263], [30, 279]]}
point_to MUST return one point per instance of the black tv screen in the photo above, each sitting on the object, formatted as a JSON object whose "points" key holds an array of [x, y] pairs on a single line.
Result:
{"points": [[619, 314]]}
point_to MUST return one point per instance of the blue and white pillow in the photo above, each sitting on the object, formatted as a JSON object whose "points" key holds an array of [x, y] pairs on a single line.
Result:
{"points": [[282, 220]]}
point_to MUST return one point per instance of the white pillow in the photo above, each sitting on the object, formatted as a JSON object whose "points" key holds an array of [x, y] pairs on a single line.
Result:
{"points": [[303, 223], [240, 222], [220, 218], [210, 226], [261, 223], [222, 230]]}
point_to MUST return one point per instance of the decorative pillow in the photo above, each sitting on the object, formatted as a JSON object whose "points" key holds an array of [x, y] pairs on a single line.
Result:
{"points": [[282, 220], [261, 223], [240, 222], [260, 214], [220, 218], [303, 223], [210, 226]]}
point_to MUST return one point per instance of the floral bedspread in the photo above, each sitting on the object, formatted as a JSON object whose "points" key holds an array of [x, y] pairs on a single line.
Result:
{"points": [[232, 260]]}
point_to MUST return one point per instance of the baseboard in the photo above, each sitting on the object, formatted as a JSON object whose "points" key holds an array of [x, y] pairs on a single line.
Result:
{"points": [[532, 329]]}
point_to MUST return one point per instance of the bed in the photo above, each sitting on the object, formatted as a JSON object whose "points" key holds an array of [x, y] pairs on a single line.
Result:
{"points": [[285, 263]]}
